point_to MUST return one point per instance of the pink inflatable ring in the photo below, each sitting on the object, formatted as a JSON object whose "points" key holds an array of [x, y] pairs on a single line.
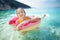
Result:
{"points": [[25, 26]]}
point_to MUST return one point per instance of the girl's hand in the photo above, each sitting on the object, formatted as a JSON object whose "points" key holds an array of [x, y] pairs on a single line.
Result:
{"points": [[43, 16]]}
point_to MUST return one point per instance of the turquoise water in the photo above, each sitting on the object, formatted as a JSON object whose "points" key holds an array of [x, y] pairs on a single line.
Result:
{"points": [[49, 28]]}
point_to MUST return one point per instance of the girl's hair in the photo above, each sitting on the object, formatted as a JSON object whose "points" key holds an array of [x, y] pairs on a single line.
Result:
{"points": [[21, 8]]}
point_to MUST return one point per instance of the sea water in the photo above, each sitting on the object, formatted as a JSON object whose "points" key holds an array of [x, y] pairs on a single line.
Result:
{"points": [[49, 28]]}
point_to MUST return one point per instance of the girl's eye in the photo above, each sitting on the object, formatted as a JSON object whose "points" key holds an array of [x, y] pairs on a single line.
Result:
{"points": [[21, 12]]}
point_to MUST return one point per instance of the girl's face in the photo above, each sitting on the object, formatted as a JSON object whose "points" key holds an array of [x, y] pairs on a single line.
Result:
{"points": [[20, 13]]}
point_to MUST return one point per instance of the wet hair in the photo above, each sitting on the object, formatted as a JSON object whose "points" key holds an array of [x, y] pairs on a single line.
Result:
{"points": [[21, 8]]}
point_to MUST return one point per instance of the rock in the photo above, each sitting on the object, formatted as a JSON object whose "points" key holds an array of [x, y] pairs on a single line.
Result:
{"points": [[11, 4]]}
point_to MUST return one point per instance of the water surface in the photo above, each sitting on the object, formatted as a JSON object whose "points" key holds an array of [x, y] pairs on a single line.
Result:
{"points": [[49, 28]]}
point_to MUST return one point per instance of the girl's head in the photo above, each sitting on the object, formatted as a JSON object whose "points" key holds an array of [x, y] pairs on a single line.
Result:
{"points": [[20, 12]]}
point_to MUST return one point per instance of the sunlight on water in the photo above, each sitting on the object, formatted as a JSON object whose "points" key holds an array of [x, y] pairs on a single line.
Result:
{"points": [[48, 28]]}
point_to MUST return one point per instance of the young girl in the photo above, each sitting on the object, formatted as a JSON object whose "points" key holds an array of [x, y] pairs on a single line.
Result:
{"points": [[23, 19]]}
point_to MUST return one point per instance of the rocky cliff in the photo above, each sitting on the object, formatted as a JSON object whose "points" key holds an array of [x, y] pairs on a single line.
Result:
{"points": [[9, 4]]}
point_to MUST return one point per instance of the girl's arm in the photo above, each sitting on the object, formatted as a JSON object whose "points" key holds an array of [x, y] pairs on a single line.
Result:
{"points": [[17, 22]]}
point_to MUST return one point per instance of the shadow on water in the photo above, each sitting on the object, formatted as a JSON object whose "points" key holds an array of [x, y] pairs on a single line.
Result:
{"points": [[48, 29]]}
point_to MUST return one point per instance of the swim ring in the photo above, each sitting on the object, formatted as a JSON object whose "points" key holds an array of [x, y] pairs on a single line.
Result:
{"points": [[29, 25]]}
